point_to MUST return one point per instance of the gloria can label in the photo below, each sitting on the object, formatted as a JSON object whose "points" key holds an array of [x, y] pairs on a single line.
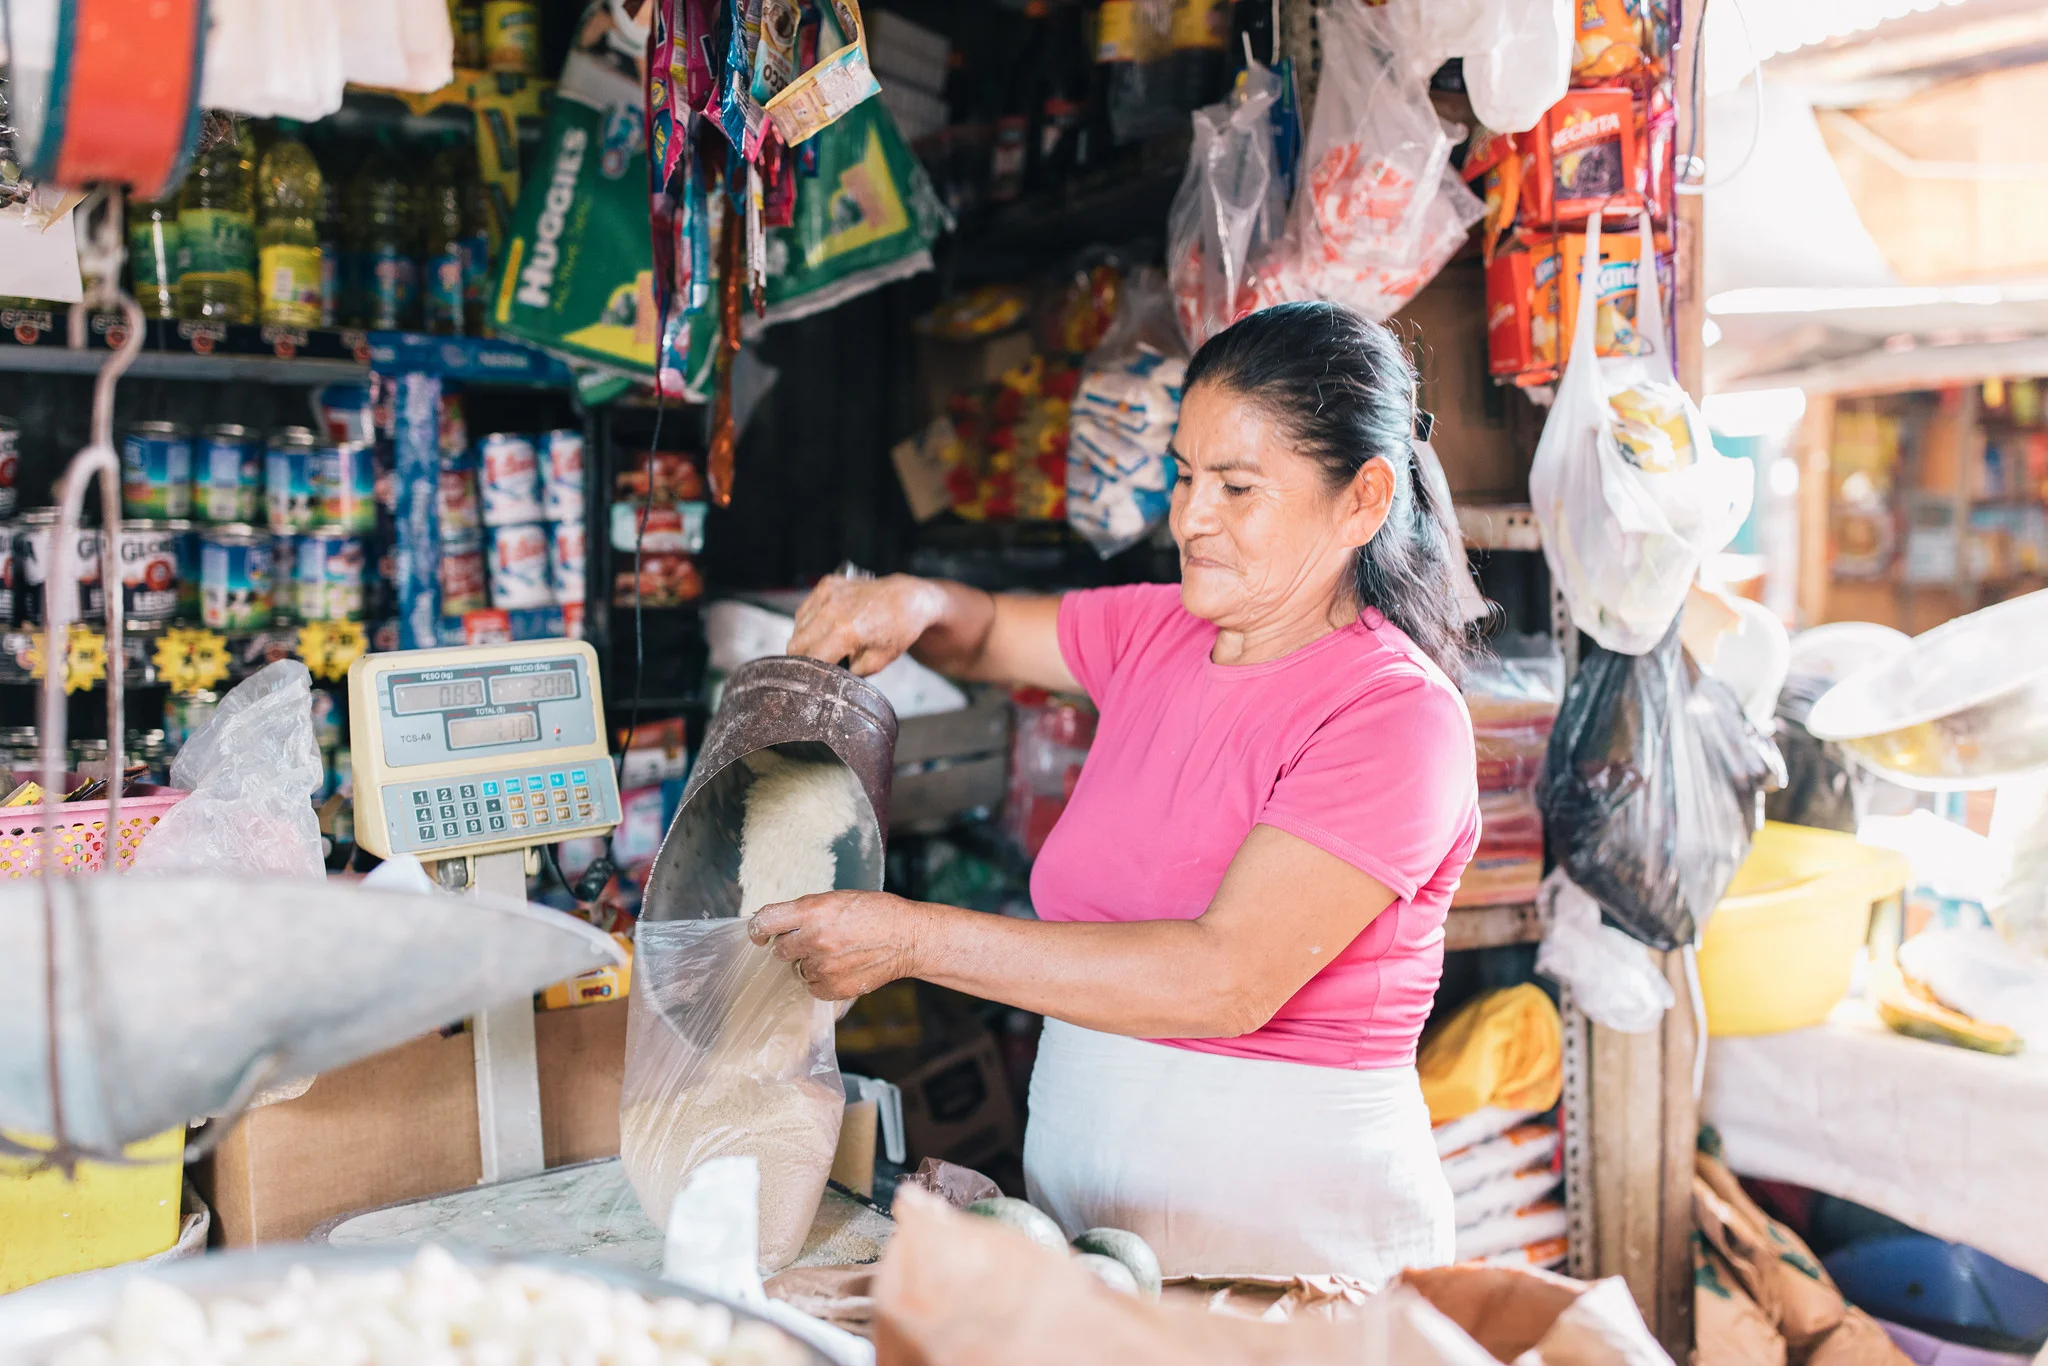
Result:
{"points": [[330, 575], [289, 496], [510, 480], [148, 555], [519, 566], [565, 560], [156, 470], [235, 580], [227, 475], [465, 582], [345, 486], [10, 462], [561, 494], [78, 592]]}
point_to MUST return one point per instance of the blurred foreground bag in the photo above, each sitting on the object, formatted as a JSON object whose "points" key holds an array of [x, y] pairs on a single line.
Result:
{"points": [[956, 1289], [1652, 789], [1761, 1298]]}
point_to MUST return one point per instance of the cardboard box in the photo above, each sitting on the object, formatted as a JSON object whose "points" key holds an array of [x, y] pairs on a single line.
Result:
{"points": [[1485, 451], [956, 1104], [1586, 151], [402, 1125], [1522, 313]]}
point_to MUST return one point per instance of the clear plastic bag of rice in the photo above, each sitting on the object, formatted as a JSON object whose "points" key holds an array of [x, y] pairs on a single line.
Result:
{"points": [[727, 1052]]}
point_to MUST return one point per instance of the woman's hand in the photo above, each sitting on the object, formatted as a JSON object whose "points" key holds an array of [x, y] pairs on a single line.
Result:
{"points": [[869, 621], [844, 944]]}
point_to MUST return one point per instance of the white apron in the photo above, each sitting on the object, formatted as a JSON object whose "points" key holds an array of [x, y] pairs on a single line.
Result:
{"points": [[1236, 1166]]}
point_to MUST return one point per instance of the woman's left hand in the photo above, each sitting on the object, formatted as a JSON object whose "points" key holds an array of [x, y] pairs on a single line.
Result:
{"points": [[844, 944]]}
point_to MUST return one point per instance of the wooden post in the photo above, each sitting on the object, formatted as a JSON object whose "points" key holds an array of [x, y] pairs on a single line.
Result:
{"points": [[1812, 447]]}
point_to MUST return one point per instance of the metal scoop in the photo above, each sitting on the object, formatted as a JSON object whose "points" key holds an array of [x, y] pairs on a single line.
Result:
{"points": [[803, 710]]}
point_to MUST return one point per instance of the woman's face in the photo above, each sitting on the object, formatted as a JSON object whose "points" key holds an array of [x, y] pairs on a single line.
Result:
{"points": [[1263, 539]]}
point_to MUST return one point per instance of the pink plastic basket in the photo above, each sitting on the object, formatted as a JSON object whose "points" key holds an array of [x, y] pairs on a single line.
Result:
{"points": [[80, 835]]}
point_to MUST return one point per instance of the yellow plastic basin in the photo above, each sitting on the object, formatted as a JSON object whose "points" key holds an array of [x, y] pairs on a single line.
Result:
{"points": [[1780, 948], [51, 1225]]}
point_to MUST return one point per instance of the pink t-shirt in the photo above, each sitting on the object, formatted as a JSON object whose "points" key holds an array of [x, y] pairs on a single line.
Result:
{"points": [[1356, 743]]}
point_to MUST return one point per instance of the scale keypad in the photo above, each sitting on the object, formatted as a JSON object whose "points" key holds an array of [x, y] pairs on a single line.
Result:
{"points": [[537, 804]]}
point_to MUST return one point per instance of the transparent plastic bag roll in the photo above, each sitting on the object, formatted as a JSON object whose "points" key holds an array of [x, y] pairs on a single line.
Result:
{"points": [[728, 1054], [252, 771]]}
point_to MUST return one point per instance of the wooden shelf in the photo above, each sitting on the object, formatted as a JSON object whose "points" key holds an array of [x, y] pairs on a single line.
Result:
{"points": [[1489, 927], [1499, 526]]}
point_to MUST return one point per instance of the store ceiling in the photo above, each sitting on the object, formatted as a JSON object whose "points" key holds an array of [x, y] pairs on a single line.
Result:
{"points": [[1891, 206]]}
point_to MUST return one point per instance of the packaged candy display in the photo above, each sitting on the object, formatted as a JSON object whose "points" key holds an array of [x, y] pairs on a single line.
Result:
{"points": [[1124, 414]]}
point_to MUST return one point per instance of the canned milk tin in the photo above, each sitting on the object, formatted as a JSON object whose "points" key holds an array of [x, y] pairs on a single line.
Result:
{"points": [[284, 569], [10, 461], [288, 489], [227, 475], [565, 561], [465, 584], [345, 486], [460, 512], [561, 493], [185, 538], [148, 556], [510, 480], [519, 566], [235, 578], [7, 598], [33, 560], [330, 575], [156, 470]]}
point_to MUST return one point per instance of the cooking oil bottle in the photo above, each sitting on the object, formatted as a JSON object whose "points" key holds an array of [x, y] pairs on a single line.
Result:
{"points": [[289, 257], [217, 231], [385, 245], [153, 255]]}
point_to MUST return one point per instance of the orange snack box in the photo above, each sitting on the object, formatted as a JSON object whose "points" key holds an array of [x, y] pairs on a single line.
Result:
{"points": [[1521, 313], [1586, 154]]}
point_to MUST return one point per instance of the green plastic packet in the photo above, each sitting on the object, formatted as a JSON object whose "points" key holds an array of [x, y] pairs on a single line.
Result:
{"points": [[578, 275], [867, 218]]}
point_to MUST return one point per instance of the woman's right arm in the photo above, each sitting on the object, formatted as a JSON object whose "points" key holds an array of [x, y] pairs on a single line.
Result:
{"points": [[962, 632]]}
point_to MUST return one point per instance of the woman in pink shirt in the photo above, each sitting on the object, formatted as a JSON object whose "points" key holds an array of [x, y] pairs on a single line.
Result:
{"points": [[1241, 910]]}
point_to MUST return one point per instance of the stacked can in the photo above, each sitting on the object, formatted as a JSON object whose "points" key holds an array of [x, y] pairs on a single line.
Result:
{"points": [[228, 476], [465, 582], [562, 501], [156, 470], [510, 484], [415, 541], [147, 552], [10, 461], [80, 589]]}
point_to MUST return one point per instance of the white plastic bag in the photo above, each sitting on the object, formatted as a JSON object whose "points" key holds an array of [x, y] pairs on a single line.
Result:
{"points": [[1609, 975], [1524, 67], [1378, 208], [1627, 487], [1124, 415], [252, 771], [1230, 203], [728, 1055]]}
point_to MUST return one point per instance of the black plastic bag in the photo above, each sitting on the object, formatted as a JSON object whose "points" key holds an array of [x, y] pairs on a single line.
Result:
{"points": [[1651, 788], [1822, 787]]}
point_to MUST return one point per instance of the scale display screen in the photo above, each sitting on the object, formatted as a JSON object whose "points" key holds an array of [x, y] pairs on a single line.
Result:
{"points": [[506, 728], [513, 708]]}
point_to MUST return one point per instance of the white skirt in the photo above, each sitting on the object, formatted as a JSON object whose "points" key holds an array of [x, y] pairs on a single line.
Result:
{"points": [[1236, 1166]]}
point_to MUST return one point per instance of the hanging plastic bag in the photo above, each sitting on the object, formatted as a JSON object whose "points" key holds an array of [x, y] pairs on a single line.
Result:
{"points": [[728, 1054], [1230, 204], [1627, 487], [252, 771], [1609, 975], [1651, 789], [1524, 68], [1124, 415]]}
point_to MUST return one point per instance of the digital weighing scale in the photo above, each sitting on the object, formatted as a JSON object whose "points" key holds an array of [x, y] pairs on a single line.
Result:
{"points": [[469, 758]]}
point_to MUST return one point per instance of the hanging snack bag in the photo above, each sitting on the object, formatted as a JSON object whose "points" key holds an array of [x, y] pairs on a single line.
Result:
{"points": [[1614, 312], [1611, 40], [867, 218], [1123, 418], [1586, 153]]}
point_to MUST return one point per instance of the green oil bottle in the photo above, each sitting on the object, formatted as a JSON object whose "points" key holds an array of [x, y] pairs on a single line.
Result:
{"points": [[217, 232], [290, 190]]}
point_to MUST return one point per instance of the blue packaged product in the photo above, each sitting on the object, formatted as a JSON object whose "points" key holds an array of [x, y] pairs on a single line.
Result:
{"points": [[345, 486], [288, 480], [561, 493], [228, 475], [156, 470], [235, 578], [187, 539], [509, 481], [519, 566]]}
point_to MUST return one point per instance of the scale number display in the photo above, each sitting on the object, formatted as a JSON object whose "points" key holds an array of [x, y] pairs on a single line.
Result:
{"points": [[437, 715]]}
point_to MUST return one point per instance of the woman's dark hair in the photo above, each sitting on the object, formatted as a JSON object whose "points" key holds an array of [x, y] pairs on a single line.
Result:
{"points": [[1343, 389]]}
